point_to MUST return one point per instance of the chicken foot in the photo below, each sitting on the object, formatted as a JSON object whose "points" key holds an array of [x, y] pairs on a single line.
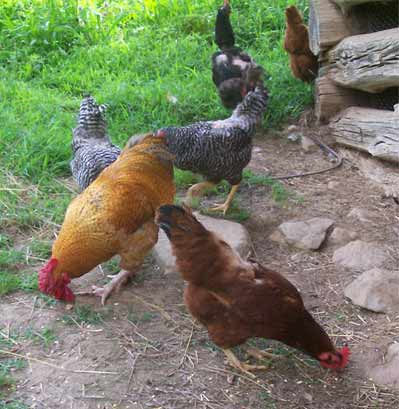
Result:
{"points": [[226, 205], [260, 354], [246, 368], [118, 280], [197, 190]]}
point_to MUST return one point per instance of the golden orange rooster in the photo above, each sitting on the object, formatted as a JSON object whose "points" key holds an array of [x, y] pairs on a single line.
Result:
{"points": [[304, 64], [114, 215]]}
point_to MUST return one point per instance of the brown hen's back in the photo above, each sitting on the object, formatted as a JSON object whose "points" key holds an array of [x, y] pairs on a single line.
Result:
{"points": [[99, 221]]}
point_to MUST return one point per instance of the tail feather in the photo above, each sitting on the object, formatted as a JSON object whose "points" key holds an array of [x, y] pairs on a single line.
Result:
{"points": [[91, 122], [224, 34]]}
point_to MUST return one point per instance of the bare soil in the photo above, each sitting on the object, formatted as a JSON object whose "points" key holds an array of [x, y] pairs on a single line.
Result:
{"points": [[148, 353]]}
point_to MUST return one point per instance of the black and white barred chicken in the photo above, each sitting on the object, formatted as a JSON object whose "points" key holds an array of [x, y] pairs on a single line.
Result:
{"points": [[218, 150], [91, 148], [234, 72]]}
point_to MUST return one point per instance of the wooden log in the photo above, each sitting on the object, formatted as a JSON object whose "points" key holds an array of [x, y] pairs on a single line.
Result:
{"points": [[369, 130], [331, 99], [345, 5], [367, 62], [327, 25]]}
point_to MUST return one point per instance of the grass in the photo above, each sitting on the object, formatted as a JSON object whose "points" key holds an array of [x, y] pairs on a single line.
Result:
{"points": [[125, 53], [132, 55], [84, 314]]}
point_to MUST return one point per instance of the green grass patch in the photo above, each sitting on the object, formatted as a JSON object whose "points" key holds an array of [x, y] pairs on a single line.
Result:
{"points": [[84, 314], [131, 55]]}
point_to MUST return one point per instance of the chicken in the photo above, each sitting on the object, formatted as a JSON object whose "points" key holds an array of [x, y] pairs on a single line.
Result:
{"points": [[303, 62], [112, 216], [231, 65], [91, 148], [236, 299], [218, 149]]}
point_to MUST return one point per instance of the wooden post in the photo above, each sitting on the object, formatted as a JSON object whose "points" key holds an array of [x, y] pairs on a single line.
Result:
{"points": [[370, 130], [326, 25], [367, 62], [330, 99]]}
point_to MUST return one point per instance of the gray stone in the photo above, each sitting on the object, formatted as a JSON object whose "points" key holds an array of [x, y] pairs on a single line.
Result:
{"points": [[388, 372], [376, 289], [235, 234], [306, 235], [361, 214], [333, 185], [340, 237], [360, 255], [308, 145]]}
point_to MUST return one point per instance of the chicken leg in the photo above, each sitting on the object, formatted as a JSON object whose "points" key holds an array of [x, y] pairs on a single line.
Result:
{"points": [[236, 363], [118, 280], [226, 205], [197, 190], [259, 354]]}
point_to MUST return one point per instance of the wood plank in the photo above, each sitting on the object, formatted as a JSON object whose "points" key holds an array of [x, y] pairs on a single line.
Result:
{"points": [[327, 25], [369, 130], [367, 62]]}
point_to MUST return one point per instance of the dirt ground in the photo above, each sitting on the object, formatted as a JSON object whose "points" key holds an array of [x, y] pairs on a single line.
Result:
{"points": [[147, 352]]}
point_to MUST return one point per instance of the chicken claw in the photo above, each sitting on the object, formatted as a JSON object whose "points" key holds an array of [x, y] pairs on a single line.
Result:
{"points": [[114, 285], [226, 205], [259, 354], [197, 190], [246, 368]]}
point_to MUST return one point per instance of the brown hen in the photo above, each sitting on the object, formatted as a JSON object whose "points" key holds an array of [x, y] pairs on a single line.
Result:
{"points": [[303, 62], [114, 215], [236, 299]]}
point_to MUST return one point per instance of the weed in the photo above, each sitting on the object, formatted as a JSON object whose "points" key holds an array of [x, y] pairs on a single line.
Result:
{"points": [[12, 404], [8, 283], [112, 266], [137, 318], [84, 314], [46, 336], [184, 178]]}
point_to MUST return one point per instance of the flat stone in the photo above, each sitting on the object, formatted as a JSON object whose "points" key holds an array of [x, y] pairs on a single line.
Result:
{"points": [[333, 185], [360, 255], [376, 290], [307, 144], [361, 214], [340, 237], [387, 373], [235, 234], [306, 234]]}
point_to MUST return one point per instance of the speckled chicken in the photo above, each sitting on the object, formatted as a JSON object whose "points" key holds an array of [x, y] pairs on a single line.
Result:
{"points": [[231, 65], [91, 147], [218, 150]]}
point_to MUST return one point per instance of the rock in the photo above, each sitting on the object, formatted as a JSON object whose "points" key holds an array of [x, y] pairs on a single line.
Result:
{"points": [[294, 133], [361, 214], [306, 235], [388, 372], [376, 290], [307, 144], [332, 185], [235, 234], [360, 255], [340, 237]]}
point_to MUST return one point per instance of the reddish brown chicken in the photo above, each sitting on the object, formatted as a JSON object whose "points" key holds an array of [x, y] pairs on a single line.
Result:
{"points": [[237, 300], [303, 62]]}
